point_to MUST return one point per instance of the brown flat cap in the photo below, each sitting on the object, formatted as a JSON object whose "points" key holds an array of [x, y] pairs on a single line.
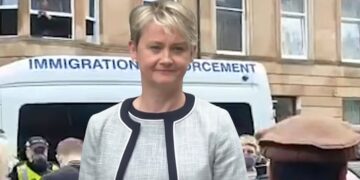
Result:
{"points": [[302, 138]]}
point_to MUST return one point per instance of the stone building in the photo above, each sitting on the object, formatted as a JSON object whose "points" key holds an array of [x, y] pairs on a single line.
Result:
{"points": [[310, 48]]}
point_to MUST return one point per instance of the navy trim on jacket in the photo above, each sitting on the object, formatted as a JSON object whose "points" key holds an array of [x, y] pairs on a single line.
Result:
{"points": [[169, 119]]}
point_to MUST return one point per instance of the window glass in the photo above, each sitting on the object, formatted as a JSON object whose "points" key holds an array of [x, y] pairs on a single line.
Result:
{"points": [[351, 8], [241, 115], [351, 109], [229, 25], [8, 2], [285, 106], [293, 6], [350, 39], [350, 29], [8, 22], [293, 35], [55, 122], [229, 3], [229, 30], [57, 26], [52, 5], [54, 18], [92, 8]]}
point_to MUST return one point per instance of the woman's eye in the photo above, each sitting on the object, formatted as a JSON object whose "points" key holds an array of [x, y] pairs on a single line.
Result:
{"points": [[155, 47], [179, 49]]}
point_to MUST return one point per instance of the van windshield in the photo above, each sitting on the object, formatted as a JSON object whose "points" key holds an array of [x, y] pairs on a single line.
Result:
{"points": [[56, 121], [241, 115]]}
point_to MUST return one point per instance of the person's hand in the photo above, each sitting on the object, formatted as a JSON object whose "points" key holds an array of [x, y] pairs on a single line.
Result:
{"points": [[45, 14]]}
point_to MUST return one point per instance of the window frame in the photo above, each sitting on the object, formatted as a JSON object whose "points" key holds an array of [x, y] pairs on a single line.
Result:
{"points": [[298, 15], [9, 7], [244, 26], [294, 105], [94, 38], [348, 20], [59, 14]]}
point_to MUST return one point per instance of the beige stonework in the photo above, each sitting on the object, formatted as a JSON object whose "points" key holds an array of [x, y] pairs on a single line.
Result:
{"points": [[318, 101], [80, 14], [263, 34], [320, 82], [324, 29]]}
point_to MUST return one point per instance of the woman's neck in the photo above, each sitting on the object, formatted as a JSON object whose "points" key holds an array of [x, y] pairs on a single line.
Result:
{"points": [[159, 101]]}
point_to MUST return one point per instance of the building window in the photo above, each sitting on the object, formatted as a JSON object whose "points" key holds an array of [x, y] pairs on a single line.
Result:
{"points": [[294, 28], [148, 2], [284, 106], [230, 26], [8, 17], [351, 109], [92, 25], [52, 18], [350, 29]]}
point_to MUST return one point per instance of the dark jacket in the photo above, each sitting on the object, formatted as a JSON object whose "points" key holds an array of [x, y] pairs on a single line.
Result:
{"points": [[13, 175], [69, 172]]}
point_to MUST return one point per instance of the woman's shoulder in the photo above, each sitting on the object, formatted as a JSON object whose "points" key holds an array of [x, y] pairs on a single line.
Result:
{"points": [[107, 112], [101, 118], [207, 107]]}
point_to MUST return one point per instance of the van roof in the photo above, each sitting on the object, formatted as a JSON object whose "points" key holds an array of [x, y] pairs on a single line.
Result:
{"points": [[113, 70]]}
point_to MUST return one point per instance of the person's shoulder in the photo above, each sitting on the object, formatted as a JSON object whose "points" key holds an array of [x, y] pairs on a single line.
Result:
{"points": [[207, 107], [103, 116], [107, 112], [66, 172], [21, 163], [13, 174]]}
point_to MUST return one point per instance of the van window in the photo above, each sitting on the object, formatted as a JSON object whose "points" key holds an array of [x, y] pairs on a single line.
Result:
{"points": [[55, 122], [241, 115]]}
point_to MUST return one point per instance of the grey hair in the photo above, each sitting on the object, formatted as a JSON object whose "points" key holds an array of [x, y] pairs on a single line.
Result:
{"points": [[171, 15]]}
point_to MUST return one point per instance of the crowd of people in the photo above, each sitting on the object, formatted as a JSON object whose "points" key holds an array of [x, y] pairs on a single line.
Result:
{"points": [[36, 166], [165, 133]]}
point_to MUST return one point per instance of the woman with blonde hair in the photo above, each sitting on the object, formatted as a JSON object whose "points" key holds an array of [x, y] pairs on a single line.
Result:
{"points": [[164, 133]]}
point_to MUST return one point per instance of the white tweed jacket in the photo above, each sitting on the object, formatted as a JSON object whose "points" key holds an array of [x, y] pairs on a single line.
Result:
{"points": [[196, 142]]}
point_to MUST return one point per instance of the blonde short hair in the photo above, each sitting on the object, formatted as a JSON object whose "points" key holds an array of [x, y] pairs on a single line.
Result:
{"points": [[249, 140], [171, 15]]}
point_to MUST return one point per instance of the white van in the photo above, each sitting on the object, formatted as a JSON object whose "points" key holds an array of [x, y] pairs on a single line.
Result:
{"points": [[54, 96]]}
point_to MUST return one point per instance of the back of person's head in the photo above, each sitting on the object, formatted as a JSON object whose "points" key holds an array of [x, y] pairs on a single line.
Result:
{"points": [[171, 15], [69, 150], [309, 144], [69, 146]]}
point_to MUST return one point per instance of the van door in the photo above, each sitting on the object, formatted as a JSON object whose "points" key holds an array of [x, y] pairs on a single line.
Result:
{"points": [[241, 115], [54, 122]]}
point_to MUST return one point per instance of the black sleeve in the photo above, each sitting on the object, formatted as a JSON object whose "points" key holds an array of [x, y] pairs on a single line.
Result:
{"points": [[13, 174]]}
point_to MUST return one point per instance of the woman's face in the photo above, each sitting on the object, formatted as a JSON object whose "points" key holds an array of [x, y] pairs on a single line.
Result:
{"points": [[163, 56], [249, 149]]}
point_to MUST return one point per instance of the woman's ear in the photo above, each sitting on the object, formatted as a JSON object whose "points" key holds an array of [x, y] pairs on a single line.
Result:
{"points": [[133, 50], [193, 51]]}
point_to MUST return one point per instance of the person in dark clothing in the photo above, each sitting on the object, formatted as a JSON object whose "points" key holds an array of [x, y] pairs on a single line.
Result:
{"points": [[37, 163], [69, 156], [44, 20]]}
